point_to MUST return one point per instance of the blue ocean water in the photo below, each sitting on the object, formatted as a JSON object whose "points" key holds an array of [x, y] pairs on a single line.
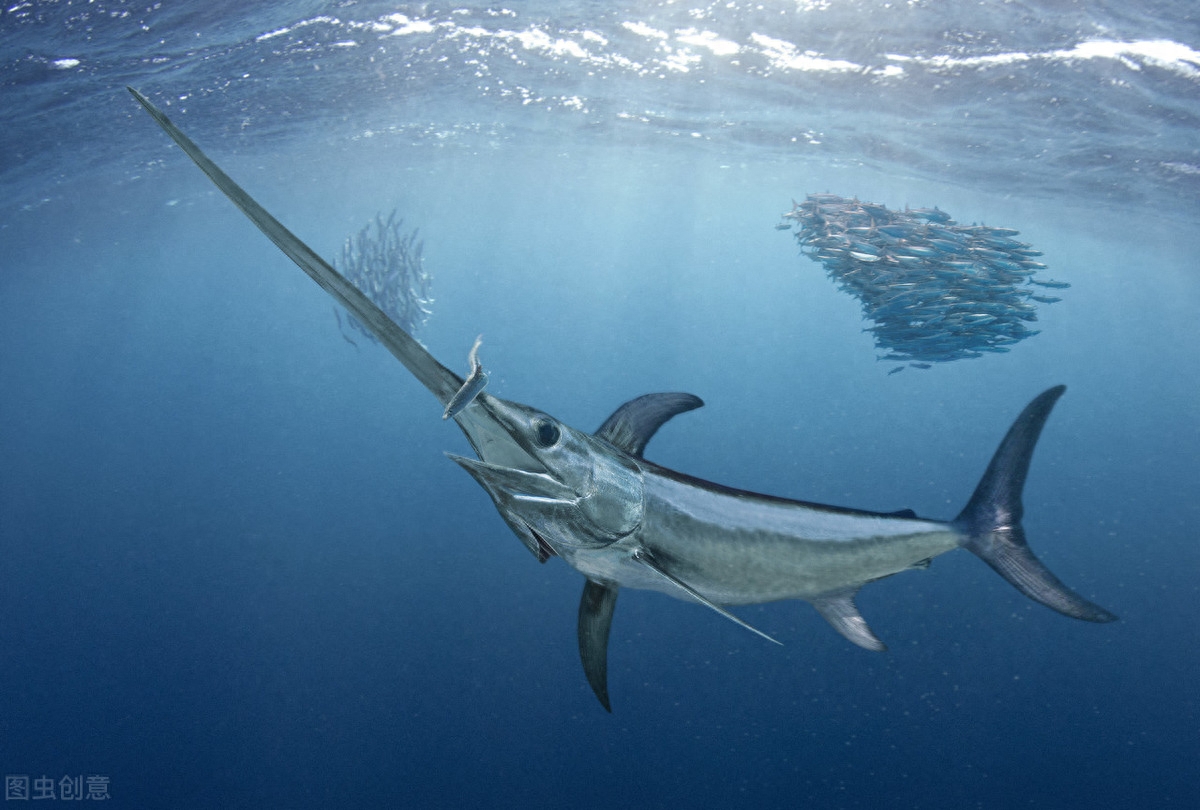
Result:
{"points": [[237, 570]]}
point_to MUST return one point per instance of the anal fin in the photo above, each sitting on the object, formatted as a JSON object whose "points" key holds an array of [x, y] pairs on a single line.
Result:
{"points": [[643, 556], [840, 611], [595, 620]]}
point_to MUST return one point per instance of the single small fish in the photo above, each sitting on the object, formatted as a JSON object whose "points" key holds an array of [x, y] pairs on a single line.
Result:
{"points": [[1003, 243], [1054, 285], [864, 247], [896, 370], [934, 214], [474, 385], [947, 245], [989, 253], [1010, 266]]}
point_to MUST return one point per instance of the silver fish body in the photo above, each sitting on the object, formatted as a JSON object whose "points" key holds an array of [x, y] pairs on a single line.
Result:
{"points": [[741, 548], [473, 386]]}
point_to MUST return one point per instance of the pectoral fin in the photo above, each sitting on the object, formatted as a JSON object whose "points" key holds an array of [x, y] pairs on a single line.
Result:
{"points": [[643, 556], [595, 620], [841, 612]]}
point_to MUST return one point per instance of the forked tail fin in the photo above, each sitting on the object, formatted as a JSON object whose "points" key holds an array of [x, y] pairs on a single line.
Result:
{"points": [[991, 520]]}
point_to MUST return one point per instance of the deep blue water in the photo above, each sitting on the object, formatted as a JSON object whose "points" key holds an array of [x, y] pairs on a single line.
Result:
{"points": [[236, 569]]}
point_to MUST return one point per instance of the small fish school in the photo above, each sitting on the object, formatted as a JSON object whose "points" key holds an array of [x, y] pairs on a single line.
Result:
{"points": [[935, 291]]}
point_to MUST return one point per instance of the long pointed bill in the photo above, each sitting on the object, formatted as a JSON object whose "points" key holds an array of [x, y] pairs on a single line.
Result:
{"points": [[490, 439], [432, 374]]}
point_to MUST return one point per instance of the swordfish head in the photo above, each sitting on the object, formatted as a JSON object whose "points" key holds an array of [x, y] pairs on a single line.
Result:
{"points": [[558, 488]]}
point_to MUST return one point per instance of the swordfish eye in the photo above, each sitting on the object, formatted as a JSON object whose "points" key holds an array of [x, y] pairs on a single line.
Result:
{"points": [[546, 433]]}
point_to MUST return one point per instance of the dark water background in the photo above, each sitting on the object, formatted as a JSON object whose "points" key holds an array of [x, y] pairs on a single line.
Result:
{"points": [[235, 569]]}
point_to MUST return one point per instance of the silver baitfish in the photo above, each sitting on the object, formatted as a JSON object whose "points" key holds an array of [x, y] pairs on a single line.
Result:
{"points": [[934, 290], [473, 387]]}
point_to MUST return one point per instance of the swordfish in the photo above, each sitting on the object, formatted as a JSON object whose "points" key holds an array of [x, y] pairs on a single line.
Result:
{"points": [[593, 499]]}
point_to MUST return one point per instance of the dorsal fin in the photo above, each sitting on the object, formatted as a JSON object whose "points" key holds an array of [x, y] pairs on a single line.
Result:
{"points": [[839, 610], [633, 424]]}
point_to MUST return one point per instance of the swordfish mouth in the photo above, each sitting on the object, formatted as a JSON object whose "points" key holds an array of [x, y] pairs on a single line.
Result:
{"points": [[518, 484]]}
